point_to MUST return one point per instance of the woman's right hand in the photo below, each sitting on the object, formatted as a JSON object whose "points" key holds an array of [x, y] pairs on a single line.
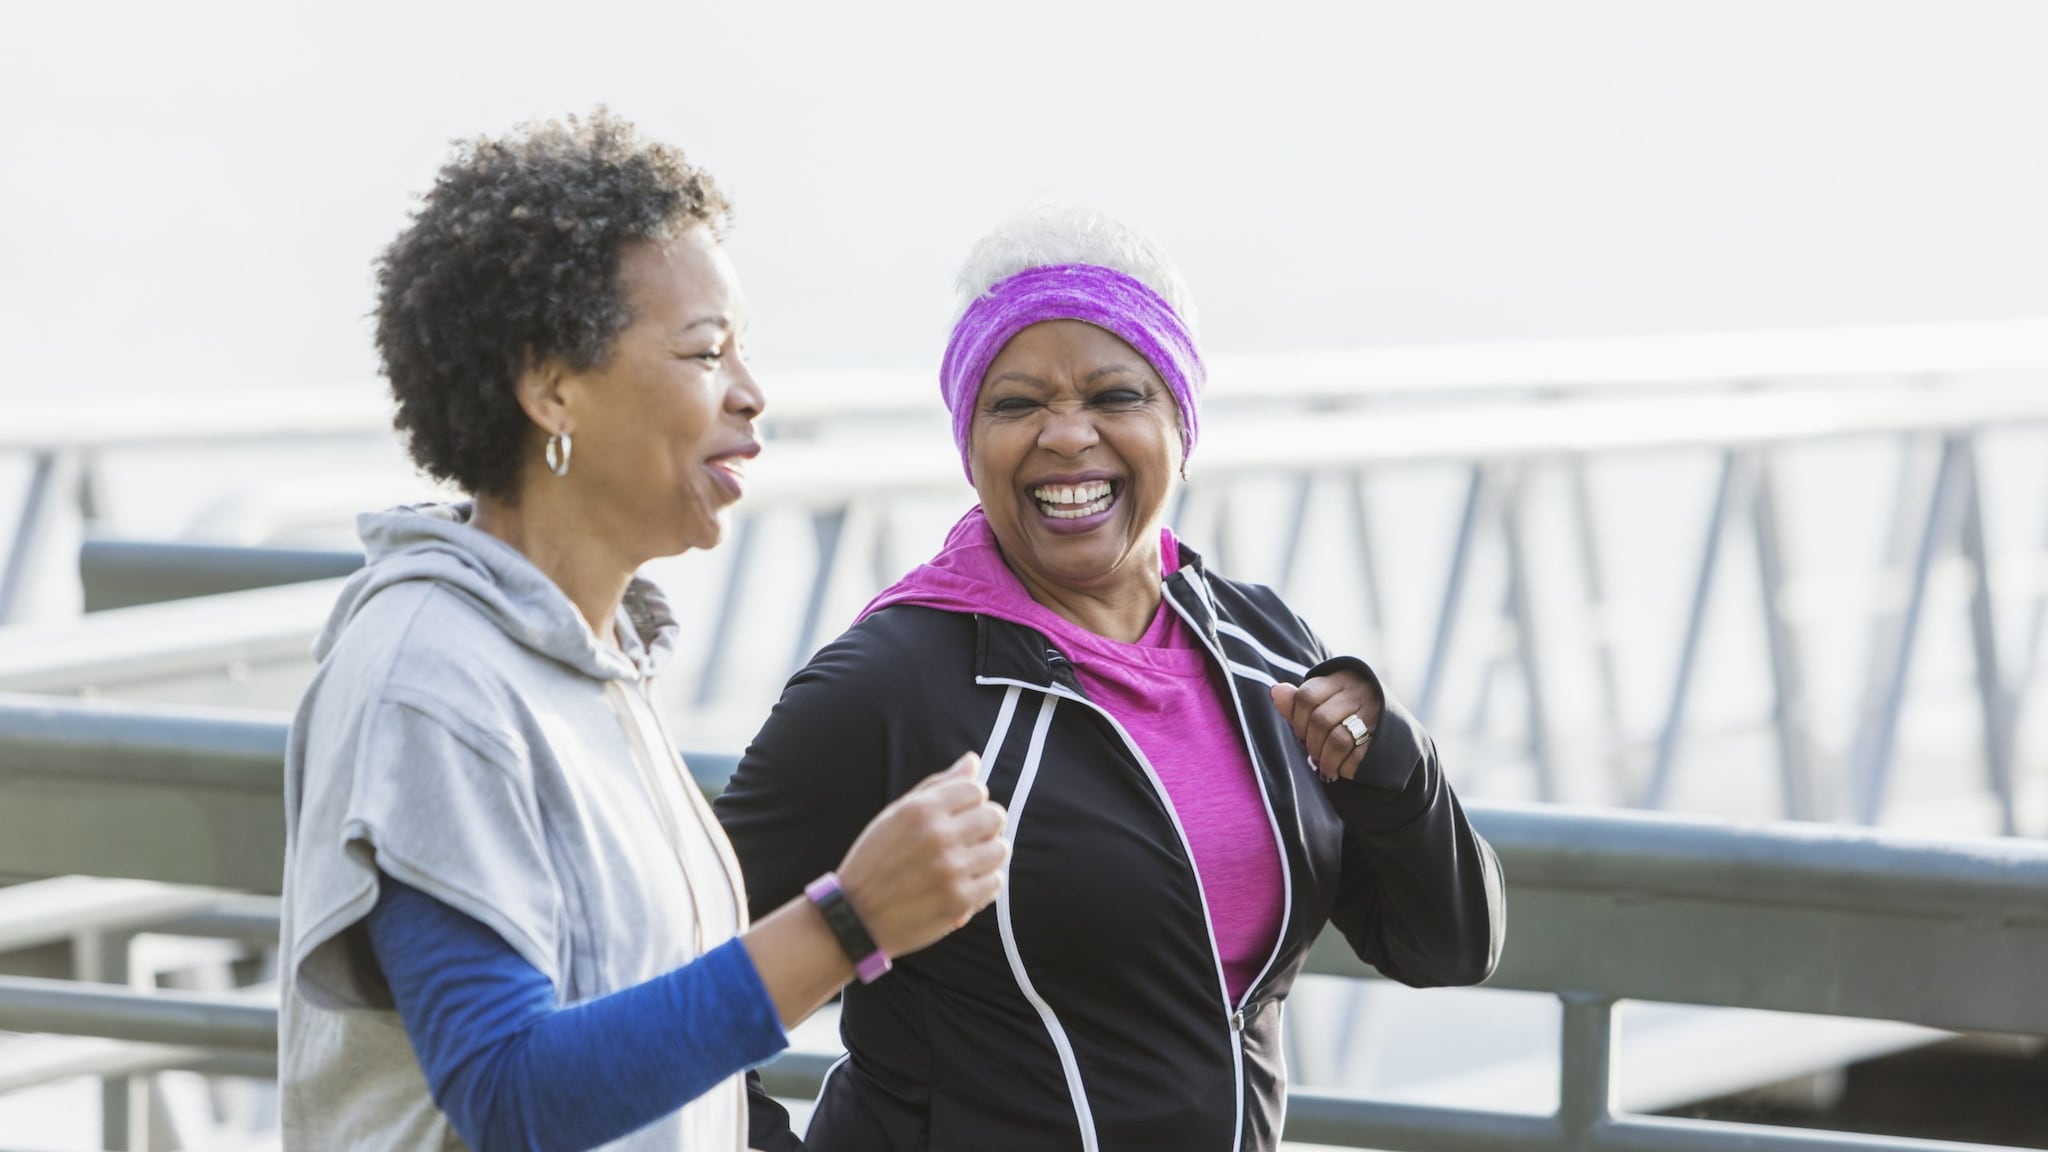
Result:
{"points": [[928, 862]]}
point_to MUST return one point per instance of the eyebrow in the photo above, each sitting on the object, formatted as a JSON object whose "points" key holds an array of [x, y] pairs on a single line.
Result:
{"points": [[1108, 369], [712, 320], [1092, 377]]}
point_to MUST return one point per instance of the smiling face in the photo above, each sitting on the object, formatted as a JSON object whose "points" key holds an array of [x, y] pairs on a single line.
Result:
{"points": [[662, 431], [1074, 445]]}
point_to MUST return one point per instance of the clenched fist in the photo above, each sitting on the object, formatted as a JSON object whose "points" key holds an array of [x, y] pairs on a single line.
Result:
{"points": [[928, 862], [1317, 710]]}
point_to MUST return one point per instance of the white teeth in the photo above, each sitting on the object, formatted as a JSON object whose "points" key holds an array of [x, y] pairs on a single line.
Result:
{"points": [[1068, 495], [1088, 509], [1074, 501]]}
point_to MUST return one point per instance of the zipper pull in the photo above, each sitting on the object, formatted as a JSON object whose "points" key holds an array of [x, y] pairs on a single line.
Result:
{"points": [[1237, 1021], [1061, 670]]}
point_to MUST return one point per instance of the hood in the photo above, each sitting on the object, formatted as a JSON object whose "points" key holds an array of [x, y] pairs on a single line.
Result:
{"points": [[969, 576], [436, 543]]}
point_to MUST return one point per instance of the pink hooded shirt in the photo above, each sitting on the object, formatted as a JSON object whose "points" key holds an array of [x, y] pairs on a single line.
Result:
{"points": [[1160, 689]]}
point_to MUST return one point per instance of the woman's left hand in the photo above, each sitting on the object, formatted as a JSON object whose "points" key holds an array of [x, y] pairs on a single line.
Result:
{"points": [[1317, 711]]}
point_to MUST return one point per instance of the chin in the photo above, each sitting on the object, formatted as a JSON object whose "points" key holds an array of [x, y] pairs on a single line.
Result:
{"points": [[1083, 569], [706, 534]]}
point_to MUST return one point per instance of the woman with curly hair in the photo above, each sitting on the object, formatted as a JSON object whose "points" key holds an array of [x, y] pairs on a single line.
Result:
{"points": [[510, 920]]}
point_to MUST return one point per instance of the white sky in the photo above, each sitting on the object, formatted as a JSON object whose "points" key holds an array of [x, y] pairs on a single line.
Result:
{"points": [[193, 192]]}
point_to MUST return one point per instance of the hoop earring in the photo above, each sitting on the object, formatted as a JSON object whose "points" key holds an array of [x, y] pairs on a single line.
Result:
{"points": [[558, 453]]}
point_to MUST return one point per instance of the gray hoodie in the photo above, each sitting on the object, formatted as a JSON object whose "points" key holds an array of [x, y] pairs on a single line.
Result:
{"points": [[467, 734]]}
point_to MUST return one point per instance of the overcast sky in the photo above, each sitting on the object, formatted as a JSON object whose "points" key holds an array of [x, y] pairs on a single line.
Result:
{"points": [[193, 192]]}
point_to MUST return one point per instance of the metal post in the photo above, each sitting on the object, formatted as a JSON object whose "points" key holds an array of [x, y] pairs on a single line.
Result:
{"points": [[2030, 664], [25, 552], [1657, 790], [1870, 758], [1482, 700], [1454, 583], [102, 957], [1219, 530], [1585, 1076], [727, 618], [829, 527], [881, 547], [1594, 574], [1991, 691], [1369, 563], [1906, 511], [1297, 523], [2036, 629], [1789, 704], [1526, 641], [91, 507]]}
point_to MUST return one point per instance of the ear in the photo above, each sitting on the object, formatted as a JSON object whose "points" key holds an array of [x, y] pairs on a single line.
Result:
{"points": [[543, 391]]}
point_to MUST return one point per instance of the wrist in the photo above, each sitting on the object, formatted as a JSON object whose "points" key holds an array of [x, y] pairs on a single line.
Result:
{"points": [[868, 959]]}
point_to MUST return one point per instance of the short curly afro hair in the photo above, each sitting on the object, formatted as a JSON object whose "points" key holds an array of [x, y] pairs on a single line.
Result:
{"points": [[513, 260]]}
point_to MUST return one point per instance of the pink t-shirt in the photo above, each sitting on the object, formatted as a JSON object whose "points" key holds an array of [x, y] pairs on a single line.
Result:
{"points": [[1161, 690]]}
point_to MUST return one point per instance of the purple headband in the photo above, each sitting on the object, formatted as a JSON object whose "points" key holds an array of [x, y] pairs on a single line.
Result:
{"points": [[1104, 297]]}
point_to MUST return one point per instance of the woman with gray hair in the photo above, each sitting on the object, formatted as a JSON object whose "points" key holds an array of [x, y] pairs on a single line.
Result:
{"points": [[1195, 786]]}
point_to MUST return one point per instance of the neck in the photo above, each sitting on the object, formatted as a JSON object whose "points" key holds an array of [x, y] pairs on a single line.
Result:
{"points": [[1122, 606], [547, 529]]}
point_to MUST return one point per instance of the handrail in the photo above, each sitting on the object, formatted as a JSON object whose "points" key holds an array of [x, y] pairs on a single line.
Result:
{"points": [[816, 473], [152, 641], [1620, 867], [118, 417], [1593, 850], [126, 573], [1604, 906], [1625, 854], [186, 746], [192, 1019]]}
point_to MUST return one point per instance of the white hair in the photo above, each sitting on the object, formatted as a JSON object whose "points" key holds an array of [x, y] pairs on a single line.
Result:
{"points": [[1054, 235]]}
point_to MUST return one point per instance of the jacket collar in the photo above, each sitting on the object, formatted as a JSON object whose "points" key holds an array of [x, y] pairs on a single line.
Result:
{"points": [[1005, 650], [1188, 589]]}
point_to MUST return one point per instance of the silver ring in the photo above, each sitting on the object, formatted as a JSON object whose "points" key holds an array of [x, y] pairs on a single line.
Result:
{"points": [[1355, 725]]}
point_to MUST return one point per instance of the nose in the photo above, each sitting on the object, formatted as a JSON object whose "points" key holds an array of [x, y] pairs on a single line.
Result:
{"points": [[743, 395], [1068, 429]]}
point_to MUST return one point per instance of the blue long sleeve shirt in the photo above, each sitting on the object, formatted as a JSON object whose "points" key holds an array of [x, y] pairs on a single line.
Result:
{"points": [[513, 1068]]}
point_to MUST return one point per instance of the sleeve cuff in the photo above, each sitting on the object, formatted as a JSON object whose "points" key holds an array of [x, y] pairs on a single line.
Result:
{"points": [[756, 1027], [1393, 784]]}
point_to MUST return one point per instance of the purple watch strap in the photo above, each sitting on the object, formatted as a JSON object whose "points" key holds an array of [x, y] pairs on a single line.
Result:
{"points": [[869, 961], [873, 968]]}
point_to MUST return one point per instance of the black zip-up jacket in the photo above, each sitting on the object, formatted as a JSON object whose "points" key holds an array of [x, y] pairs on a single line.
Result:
{"points": [[1086, 1009]]}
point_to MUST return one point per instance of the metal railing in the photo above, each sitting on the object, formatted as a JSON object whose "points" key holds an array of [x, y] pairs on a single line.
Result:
{"points": [[228, 637], [1604, 907], [1524, 430]]}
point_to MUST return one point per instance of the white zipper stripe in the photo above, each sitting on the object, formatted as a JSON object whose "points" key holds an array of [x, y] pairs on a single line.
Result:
{"points": [[1069, 1065], [1251, 673], [1272, 657], [1279, 842], [998, 734], [1187, 846], [1272, 820], [1280, 1046], [825, 1081]]}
